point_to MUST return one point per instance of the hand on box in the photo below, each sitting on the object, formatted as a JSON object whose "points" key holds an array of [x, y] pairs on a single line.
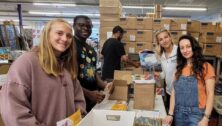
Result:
{"points": [[96, 96], [109, 87]]}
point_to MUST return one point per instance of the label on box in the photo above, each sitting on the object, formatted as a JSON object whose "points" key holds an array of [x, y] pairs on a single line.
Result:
{"points": [[166, 26], [108, 35], [218, 39], [184, 32], [183, 26], [131, 50], [132, 38]]}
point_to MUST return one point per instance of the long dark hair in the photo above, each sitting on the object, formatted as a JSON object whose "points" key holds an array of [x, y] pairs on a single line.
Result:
{"points": [[197, 58]]}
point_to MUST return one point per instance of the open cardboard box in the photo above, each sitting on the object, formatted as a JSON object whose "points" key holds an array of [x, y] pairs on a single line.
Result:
{"points": [[108, 118], [120, 91]]}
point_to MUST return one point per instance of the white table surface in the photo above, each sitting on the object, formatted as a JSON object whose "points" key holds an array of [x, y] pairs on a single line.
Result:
{"points": [[159, 106]]}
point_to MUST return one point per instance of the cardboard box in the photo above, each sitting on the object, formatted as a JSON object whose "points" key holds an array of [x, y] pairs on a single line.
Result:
{"points": [[196, 35], [219, 28], [130, 47], [207, 27], [144, 96], [175, 35], [144, 36], [211, 49], [218, 37], [161, 23], [131, 23], [120, 91], [144, 23], [110, 10], [193, 26], [129, 35], [123, 75], [108, 118], [178, 24], [140, 46], [105, 32], [109, 23], [208, 37], [4, 68], [109, 3], [110, 17]]}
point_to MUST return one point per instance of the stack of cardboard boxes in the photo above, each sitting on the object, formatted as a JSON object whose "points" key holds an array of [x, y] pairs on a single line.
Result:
{"points": [[110, 13]]}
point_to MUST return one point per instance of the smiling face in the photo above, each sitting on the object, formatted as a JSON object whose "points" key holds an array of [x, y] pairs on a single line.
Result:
{"points": [[164, 40], [83, 28], [60, 37], [186, 49]]}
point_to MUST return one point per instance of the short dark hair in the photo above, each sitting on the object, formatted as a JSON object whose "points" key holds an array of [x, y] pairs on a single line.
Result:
{"points": [[118, 29], [80, 16]]}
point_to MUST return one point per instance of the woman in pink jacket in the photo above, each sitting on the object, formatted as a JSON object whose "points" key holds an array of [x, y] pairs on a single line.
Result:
{"points": [[42, 86]]}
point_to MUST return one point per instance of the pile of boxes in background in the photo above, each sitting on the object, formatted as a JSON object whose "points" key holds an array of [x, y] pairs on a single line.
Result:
{"points": [[140, 31]]}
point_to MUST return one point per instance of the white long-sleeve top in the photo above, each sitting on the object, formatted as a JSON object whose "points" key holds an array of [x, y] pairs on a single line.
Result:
{"points": [[169, 67]]}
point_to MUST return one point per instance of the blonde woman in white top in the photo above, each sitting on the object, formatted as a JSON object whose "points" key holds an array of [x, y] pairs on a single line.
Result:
{"points": [[167, 51]]}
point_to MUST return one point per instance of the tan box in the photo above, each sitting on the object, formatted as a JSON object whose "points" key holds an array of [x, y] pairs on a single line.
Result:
{"points": [[144, 36], [144, 23], [105, 32], [4, 68], [123, 22], [129, 35], [110, 17], [208, 37], [131, 23], [219, 28], [196, 35], [144, 96], [211, 49], [193, 26], [178, 24], [207, 27], [140, 46], [218, 37], [123, 75], [161, 23], [109, 23], [120, 91], [110, 10], [175, 35], [109, 3], [130, 47]]}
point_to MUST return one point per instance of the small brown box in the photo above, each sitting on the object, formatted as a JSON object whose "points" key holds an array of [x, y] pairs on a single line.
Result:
{"points": [[211, 49], [144, 96], [131, 23], [130, 47], [109, 17], [144, 23], [175, 35], [109, 3], [110, 10], [140, 46], [161, 23], [120, 91], [144, 35], [208, 37], [129, 35], [207, 27], [178, 24], [123, 23], [109, 23], [193, 26]]}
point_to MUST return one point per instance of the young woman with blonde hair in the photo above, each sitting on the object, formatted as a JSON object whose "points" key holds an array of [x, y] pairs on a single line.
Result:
{"points": [[167, 51], [42, 86]]}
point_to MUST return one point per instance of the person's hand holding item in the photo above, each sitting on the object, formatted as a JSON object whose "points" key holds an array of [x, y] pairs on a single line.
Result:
{"points": [[109, 87], [168, 120], [203, 122], [96, 96]]}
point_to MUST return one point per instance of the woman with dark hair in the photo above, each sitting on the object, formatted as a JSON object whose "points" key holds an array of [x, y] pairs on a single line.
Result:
{"points": [[192, 96]]}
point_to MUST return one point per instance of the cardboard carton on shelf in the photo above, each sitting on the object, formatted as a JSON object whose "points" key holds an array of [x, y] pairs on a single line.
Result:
{"points": [[178, 24], [109, 3]]}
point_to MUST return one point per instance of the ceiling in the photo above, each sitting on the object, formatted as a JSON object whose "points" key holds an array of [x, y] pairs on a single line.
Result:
{"points": [[8, 8]]}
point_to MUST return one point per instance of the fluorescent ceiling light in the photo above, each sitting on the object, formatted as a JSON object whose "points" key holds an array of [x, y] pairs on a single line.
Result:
{"points": [[185, 8], [55, 4], [60, 13], [138, 7]]}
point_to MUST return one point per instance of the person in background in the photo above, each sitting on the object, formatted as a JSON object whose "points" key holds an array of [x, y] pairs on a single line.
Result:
{"points": [[87, 58], [167, 51], [113, 53], [42, 86], [192, 96]]}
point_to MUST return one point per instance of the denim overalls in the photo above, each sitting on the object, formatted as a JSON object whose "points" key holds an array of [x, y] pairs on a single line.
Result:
{"points": [[187, 112]]}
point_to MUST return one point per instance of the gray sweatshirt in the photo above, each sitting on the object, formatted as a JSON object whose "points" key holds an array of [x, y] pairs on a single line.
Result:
{"points": [[31, 97]]}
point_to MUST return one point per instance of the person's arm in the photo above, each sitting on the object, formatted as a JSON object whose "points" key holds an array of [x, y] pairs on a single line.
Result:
{"points": [[15, 106], [169, 118], [94, 96], [79, 97], [101, 84], [210, 84]]}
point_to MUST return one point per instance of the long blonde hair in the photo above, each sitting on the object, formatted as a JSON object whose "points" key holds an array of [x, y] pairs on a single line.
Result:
{"points": [[47, 58], [159, 49]]}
